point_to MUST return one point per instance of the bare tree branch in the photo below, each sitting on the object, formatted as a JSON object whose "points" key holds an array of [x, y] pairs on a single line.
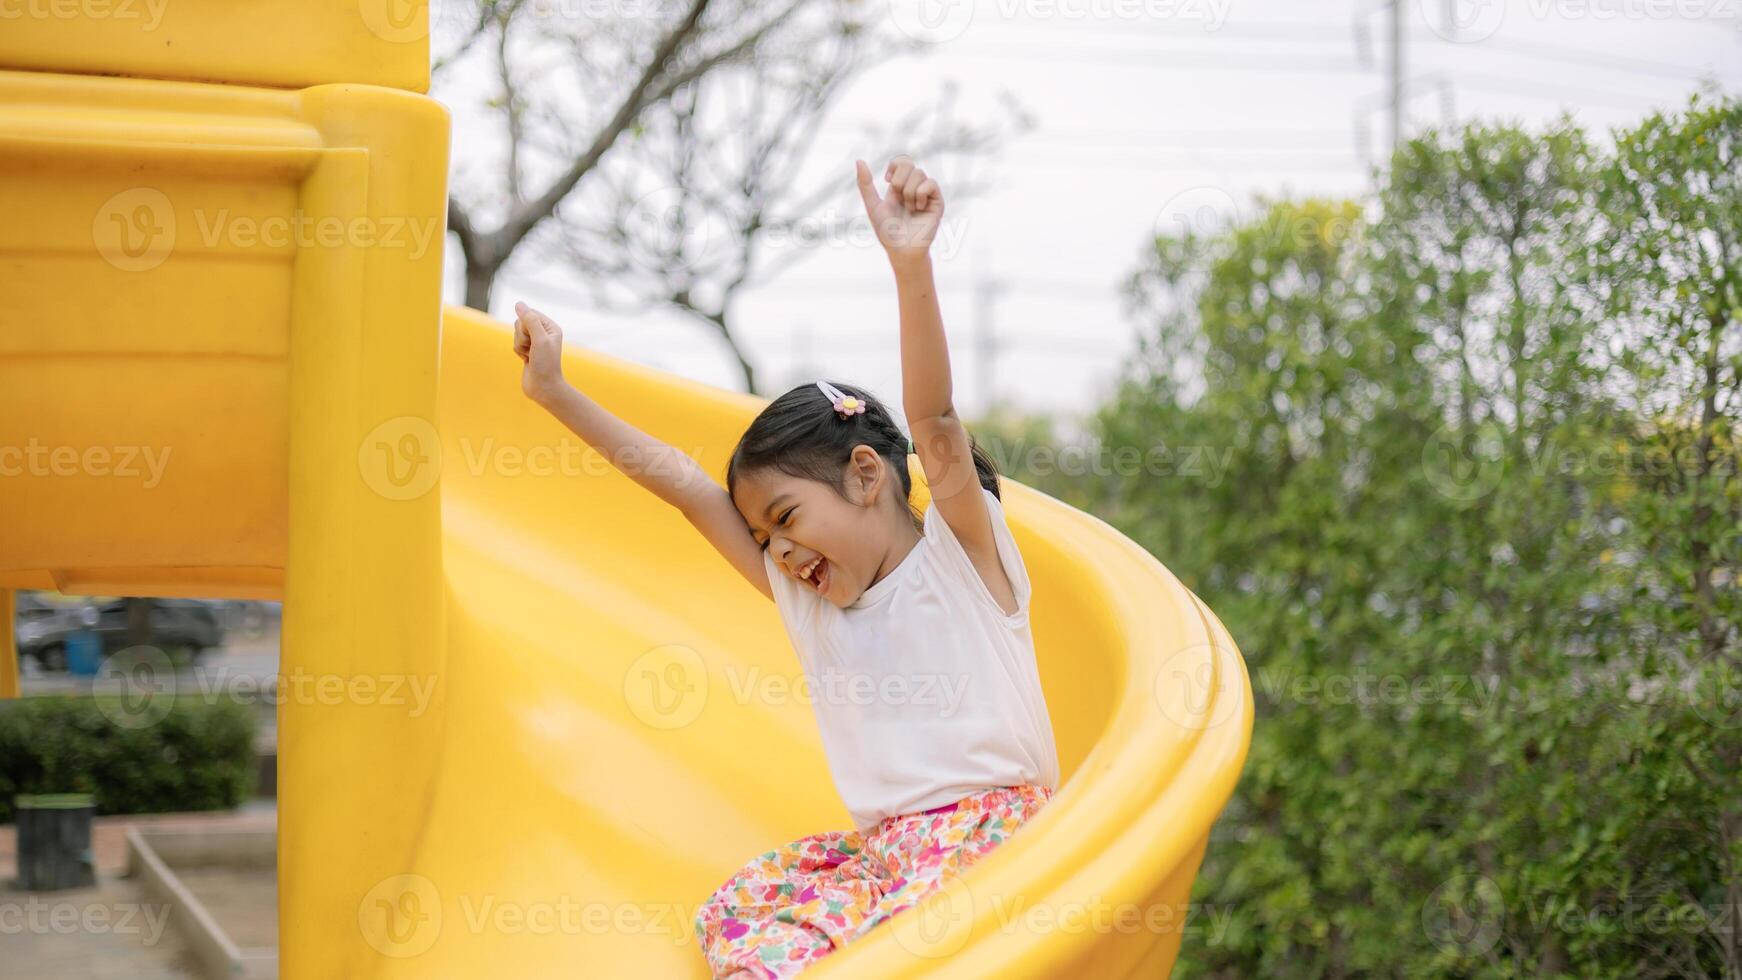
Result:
{"points": [[523, 218], [728, 210], [692, 188]]}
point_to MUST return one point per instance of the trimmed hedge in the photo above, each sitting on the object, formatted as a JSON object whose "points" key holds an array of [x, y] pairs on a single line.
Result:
{"points": [[198, 756]]}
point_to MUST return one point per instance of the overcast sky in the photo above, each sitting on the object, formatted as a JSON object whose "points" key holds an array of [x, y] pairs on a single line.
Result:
{"points": [[1148, 112]]}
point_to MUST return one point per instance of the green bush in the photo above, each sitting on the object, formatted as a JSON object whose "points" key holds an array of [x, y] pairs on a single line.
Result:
{"points": [[1476, 524], [198, 756]]}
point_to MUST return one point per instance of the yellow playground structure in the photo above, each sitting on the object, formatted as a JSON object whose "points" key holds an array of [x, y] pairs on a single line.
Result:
{"points": [[528, 719]]}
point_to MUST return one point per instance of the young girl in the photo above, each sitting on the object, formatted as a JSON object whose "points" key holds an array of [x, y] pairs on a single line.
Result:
{"points": [[913, 632]]}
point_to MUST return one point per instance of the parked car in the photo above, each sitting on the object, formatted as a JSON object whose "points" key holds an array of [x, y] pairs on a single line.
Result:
{"points": [[42, 626]]}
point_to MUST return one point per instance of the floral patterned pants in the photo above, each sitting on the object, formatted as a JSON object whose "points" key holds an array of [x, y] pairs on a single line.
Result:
{"points": [[799, 902]]}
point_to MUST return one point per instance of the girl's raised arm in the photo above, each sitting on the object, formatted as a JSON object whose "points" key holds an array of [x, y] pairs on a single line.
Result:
{"points": [[906, 220], [668, 472]]}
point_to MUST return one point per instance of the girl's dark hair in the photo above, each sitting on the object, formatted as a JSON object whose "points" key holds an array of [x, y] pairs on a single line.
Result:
{"points": [[800, 434]]}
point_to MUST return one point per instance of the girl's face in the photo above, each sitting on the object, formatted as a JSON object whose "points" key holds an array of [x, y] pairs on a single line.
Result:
{"points": [[835, 547]]}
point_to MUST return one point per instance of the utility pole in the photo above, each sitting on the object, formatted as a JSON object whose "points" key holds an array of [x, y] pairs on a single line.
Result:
{"points": [[803, 368], [801, 349], [1397, 93], [986, 292]]}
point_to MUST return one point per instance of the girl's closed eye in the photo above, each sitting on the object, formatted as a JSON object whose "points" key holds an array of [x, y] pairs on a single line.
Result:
{"points": [[782, 522]]}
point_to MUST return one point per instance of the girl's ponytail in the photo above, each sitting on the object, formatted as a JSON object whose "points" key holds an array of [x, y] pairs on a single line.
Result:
{"points": [[985, 466]]}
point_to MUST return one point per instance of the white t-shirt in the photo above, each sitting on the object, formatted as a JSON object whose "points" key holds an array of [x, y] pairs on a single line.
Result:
{"points": [[924, 689]]}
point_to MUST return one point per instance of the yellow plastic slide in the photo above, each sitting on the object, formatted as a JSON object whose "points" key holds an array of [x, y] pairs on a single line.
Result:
{"points": [[624, 724], [528, 718]]}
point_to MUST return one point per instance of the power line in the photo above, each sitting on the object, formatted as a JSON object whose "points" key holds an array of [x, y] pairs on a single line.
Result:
{"points": [[1011, 345], [1230, 138], [1236, 143], [1303, 32], [879, 285], [1274, 30], [1309, 32], [1246, 164], [1596, 59], [1516, 86], [990, 343], [1167, 60]]}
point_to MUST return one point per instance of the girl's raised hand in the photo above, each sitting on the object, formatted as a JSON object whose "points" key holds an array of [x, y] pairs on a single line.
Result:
{"points": [[538, 342], [906, 217]]}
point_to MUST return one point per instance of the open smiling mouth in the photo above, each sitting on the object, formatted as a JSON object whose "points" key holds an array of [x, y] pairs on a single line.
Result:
{"points": [[816, 573]]}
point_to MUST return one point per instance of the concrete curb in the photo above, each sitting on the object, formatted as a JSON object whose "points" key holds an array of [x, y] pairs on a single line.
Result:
{"points": [[147, 852]]}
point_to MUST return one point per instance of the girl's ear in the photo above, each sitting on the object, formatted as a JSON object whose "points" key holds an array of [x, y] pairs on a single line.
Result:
{"points": [[865, 470]]}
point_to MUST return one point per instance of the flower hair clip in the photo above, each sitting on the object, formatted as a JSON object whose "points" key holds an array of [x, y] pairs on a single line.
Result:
{"points": [[847, 405]]}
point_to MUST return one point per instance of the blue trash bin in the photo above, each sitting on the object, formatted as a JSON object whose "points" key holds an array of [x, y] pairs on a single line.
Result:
{"points": [[84, 653]]}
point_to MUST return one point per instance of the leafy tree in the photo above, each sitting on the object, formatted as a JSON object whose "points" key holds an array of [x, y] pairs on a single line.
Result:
{"points": [[1493, 642]]}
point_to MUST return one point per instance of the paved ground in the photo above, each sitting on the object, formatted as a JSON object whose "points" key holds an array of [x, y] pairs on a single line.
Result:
{"points": [[243, 900], [109, 932], [112, 930]]}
